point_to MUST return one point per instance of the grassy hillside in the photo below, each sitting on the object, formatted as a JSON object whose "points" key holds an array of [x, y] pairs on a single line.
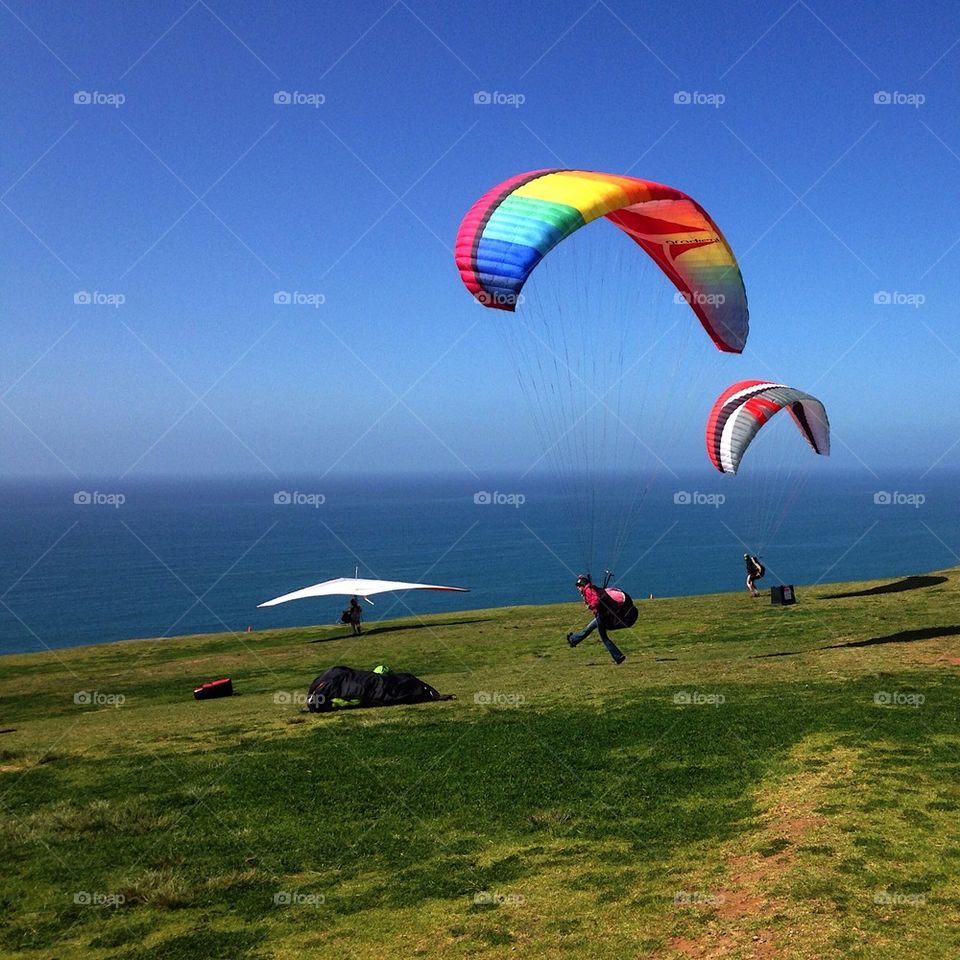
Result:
{"points": [[752, 782]]}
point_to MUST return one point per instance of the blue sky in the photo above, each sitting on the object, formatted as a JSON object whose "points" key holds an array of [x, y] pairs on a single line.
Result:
{"points": [[197, 198]]}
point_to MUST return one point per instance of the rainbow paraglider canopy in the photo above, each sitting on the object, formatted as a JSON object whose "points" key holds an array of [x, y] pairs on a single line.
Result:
{"points": [[510, 229]]}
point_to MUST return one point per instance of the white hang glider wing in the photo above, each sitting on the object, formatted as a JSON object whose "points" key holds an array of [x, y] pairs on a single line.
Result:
{"points": [[356, 587]]}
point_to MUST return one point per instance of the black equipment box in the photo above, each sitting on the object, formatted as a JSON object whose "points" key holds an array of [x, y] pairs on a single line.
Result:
{"points": [[782, 596]]}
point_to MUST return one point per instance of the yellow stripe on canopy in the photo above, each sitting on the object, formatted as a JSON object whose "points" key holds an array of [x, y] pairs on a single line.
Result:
{"points": [[593, 198]]}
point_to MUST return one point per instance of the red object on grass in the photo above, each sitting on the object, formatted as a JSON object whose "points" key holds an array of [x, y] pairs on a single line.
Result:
{"points": [[213, 689]]}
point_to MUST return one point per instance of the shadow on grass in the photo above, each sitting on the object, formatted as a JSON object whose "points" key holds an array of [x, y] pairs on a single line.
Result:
{"points": [[373, 631], [902, 636], [899, 586]]}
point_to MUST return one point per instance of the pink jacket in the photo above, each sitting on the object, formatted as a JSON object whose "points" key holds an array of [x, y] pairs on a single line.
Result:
{"points": [[591, 597]]}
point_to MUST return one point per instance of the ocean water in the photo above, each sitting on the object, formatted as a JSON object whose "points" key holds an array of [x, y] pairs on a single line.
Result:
{"points": [[106, 561]]}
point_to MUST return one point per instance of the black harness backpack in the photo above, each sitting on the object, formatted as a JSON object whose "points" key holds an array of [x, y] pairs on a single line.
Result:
{"points": [[616, 615]]}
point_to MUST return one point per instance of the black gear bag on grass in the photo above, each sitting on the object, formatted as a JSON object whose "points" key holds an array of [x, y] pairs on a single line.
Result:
{"points": [[342, 687]]}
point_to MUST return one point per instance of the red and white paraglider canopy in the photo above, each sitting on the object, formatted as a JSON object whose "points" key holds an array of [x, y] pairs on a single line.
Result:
{"points": [[743, 408]]}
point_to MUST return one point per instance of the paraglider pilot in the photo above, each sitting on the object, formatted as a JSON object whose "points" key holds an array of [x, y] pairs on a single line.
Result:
{"points": [[593, 597], [755, 571]]}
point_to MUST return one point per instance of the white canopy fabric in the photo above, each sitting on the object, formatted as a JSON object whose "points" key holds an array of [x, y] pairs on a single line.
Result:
{"points": [[356, 587]]}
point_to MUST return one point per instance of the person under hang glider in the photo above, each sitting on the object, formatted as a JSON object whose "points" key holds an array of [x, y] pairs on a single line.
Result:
{"points": [[353, 615], [356, 587], [755, 571], [356, 616], [612, 609]]}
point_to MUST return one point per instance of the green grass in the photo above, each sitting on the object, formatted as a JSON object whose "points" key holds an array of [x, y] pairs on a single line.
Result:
{"points": [[591, 812]]}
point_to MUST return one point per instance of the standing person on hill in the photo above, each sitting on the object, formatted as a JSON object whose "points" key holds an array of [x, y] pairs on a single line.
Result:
{"points": [[356, 616], [755, 571], [595, 598]]}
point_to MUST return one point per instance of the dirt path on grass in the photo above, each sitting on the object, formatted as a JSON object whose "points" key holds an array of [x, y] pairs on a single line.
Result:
{"points": [[743, 906]]}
